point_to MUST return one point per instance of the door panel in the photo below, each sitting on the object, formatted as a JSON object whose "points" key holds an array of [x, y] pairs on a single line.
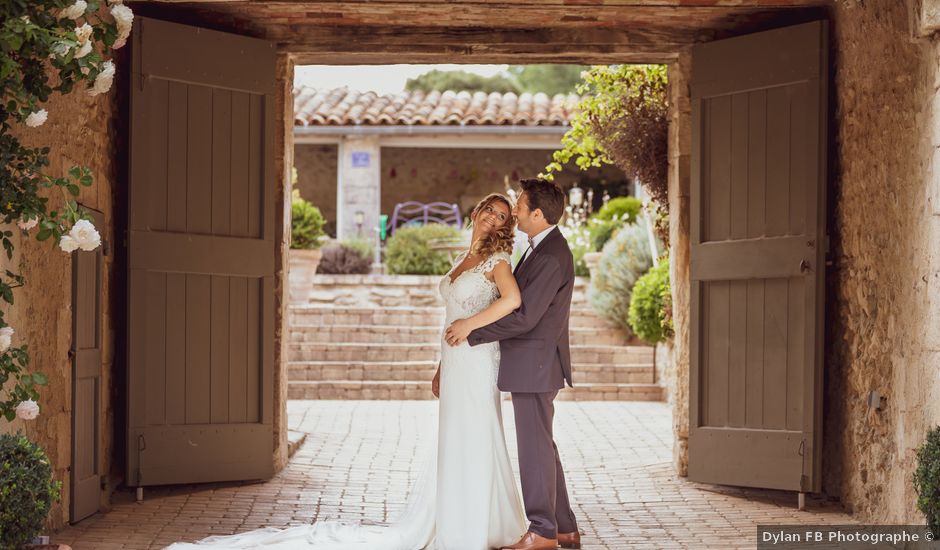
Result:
{"points": [[86, 381], [757, 256], [201, 253]]}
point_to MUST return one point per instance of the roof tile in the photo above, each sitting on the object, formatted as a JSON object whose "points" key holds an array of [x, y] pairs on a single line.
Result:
{"points": [[342, 106]]}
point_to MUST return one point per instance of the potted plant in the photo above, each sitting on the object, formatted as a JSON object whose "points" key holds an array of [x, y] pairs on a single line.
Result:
{"points": [[306, 232]]}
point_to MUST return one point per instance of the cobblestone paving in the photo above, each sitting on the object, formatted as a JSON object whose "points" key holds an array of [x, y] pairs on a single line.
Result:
{"points": [[360, 456]]}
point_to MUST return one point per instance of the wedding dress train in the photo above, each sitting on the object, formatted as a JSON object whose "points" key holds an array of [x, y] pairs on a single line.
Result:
{"points": [[466, 497]]}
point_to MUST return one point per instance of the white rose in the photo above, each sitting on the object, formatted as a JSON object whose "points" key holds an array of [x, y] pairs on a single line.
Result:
{"points": [[37, 118], [68, 244], [27, 410], [124, 18], [26, 225], [104, 79], [6, 338], [83, 50], [83, 33], [74, 11], [85, 235]]}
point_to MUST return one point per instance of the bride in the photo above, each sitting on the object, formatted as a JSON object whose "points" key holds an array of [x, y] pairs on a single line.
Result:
{"points": [[466, 496]]}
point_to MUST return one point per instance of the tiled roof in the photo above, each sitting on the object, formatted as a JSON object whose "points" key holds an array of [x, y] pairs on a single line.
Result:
{"points": [[342, 106]]}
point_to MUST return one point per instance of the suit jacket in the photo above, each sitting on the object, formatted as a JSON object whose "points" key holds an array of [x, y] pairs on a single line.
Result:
{"points": [[533, 340]]}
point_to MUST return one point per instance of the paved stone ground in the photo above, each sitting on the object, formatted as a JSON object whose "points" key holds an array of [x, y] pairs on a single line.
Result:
{"points": [[360, 456]]}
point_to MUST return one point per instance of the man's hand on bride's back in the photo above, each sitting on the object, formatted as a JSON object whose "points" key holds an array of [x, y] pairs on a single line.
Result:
{"points": [[458, 331]]}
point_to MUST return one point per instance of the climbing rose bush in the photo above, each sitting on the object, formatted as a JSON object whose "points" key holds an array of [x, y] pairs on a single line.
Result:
{"points": [[47, 47]]}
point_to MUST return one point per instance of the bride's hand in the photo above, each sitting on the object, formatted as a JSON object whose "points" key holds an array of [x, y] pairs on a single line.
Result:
{"points": [[457, 332]]}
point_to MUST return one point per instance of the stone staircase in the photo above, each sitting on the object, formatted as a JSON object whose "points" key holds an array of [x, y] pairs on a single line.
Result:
{"points": [[377, 337]]}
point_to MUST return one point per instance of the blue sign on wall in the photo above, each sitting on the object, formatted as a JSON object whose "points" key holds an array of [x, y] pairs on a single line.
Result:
{"points": [[360, 159]]}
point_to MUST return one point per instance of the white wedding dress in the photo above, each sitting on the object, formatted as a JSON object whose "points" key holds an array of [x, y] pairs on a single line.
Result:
{"points": [[466, 497]]}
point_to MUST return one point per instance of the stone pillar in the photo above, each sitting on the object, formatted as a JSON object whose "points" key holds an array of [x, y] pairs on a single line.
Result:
{"points": [[680, 149], [283, 160], [359, 176]]}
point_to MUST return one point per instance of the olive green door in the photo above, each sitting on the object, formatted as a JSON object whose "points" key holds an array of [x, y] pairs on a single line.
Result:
{"points": [[201, 252], [758, 243]]}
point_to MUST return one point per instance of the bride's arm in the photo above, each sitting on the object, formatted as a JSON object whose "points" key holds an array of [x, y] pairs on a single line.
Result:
{"points": [[509, 299]]}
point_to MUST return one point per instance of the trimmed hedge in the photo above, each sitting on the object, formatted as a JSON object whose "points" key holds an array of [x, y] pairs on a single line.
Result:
{"points": [[408, 251], [27, 490], [650, 298]]}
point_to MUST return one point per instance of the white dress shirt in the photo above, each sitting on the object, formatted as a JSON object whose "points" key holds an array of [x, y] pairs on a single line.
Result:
{"points": [[534, 242]]}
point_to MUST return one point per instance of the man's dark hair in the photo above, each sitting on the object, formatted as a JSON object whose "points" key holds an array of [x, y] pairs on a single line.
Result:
{"points": [[545, 196]]}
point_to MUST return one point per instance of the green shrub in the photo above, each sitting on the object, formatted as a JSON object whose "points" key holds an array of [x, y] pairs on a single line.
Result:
{"points": [[927, 479], [620, 208], [600, 231], [306, 223], [27, 490], [624, 259], [346, 258], [364, 247], [408, 251], [650, 298]]}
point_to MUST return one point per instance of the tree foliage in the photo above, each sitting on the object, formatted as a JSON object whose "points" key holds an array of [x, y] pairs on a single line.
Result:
{"points": [[623, 120], [550, 79], [459, 81]]}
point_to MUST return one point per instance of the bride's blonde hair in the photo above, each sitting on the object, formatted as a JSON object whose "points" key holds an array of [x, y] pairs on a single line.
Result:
{"points": [[500, 240]]}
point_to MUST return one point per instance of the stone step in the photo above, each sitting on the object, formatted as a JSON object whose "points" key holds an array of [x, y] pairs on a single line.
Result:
{"points": [[581, 317], [613, 392], [429, 335], [379, 371], [384, 290], [413, 390], [319, 351], [359, 390]]}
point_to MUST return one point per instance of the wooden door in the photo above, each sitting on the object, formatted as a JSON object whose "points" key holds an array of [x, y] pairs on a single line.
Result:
{"points": [[757, 258], [85, 476], [201, 254]]}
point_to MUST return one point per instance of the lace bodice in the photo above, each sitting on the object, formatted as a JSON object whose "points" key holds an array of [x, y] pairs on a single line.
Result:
{"points": [[471, 292]]}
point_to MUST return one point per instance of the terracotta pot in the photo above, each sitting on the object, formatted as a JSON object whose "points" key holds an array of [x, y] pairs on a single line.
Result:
{"points": [[591, 260], [303, 267]]}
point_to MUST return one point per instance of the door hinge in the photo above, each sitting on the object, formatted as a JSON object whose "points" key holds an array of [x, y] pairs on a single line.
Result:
{"points": [[804, 479], [141, 445]]}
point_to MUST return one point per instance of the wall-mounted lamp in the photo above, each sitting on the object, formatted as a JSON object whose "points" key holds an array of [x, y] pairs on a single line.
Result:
{"points": [[360, 218]]}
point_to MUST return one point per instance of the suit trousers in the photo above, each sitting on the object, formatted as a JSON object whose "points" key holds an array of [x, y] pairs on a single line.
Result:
{"points": [[543, 480]]}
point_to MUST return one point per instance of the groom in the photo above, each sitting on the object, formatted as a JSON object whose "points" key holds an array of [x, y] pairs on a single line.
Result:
{"points": [[535, 363]]}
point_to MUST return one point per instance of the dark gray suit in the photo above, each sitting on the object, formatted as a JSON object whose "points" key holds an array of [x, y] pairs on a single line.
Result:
{"points": [[535, 362]]}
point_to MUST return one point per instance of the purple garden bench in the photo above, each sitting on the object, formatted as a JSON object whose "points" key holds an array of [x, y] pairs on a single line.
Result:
{"points": [[414, 212]]}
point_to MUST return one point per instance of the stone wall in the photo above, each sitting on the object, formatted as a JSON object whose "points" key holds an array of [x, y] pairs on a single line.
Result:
{"points": [[680, 149], [884, 228], [462, 176], [316, 178], [81, 130]]}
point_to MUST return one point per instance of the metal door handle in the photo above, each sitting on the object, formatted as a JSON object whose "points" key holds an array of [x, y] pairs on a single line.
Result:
{"points": [[804, 266]]}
